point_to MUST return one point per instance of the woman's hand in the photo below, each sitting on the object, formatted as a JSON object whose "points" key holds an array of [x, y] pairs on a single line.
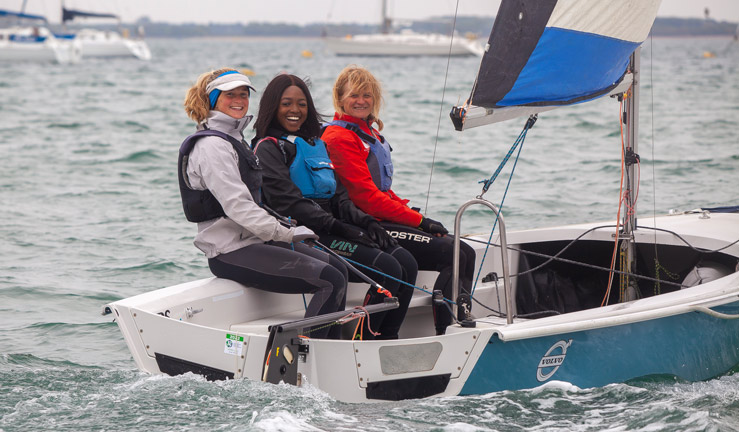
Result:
{"points": [[302, 233], [352, 233], [433, 227], [380, 235]]}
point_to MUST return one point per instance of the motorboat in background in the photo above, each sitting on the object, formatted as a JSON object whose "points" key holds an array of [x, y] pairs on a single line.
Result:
{"points": [[26, 38], [403, 44], [105, 43]]}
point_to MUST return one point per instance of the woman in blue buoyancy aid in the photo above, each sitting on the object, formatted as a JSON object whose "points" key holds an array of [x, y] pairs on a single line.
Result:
{"points": [[299, 183], [220, 180]]}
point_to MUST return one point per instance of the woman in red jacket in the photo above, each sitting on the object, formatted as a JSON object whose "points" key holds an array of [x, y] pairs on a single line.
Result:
{"points": [[361, 158]]}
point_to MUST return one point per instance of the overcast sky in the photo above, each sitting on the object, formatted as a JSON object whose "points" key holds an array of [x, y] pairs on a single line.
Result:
{"points": [[319, 11]]}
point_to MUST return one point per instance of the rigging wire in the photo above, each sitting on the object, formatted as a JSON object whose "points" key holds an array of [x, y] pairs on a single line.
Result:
{"points": [[556, 257], [657, 265], [441, 106]]}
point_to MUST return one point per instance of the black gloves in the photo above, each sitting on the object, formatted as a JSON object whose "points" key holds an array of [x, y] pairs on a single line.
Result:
{"points": [[351, 233], [432, 227], [380, 235]]}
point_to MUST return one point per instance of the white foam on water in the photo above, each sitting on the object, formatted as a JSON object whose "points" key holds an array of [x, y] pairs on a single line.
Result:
{"points": [[283, 421], [556, 385]]}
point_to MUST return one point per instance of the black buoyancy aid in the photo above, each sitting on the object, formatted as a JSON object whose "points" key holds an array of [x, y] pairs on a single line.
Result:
{"points": [[201, 205], [379, 161]]}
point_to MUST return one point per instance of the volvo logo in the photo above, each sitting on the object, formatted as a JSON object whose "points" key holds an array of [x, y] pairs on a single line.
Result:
{"points": [[552, 361]]}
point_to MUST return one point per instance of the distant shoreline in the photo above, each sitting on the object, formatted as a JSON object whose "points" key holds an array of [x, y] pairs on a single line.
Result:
{"points": [[480, 26], [319, 38]]}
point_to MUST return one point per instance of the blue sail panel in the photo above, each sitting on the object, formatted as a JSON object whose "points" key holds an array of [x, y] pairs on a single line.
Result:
{"points": [[549, 53], [569, 66]]}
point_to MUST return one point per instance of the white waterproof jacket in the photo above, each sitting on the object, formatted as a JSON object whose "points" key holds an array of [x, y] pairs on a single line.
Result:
{"points": [[213, 164]]}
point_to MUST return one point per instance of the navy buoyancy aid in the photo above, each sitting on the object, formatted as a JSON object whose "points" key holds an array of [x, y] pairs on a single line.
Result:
{"points": [[312, 170], [379, 161], [201, 205]]}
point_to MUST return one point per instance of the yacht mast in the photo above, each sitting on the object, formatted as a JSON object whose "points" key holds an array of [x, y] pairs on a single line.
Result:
{"points": [[385, 23], [629, 289]]}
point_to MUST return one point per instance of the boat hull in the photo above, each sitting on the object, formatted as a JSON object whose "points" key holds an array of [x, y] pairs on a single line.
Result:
{"points": [[400, 45], [692, 346], [37, 45], [107, 44]]}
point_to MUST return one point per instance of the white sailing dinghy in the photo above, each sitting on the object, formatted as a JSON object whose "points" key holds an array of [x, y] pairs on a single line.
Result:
{"points": [[557, 318]]}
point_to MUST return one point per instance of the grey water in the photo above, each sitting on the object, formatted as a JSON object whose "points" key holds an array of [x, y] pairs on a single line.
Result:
{"points": [[91, 214]]}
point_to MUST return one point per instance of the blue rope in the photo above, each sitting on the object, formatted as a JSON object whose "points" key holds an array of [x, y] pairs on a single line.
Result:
{"points": [[489, 182], [521, 138], [391, 277]]}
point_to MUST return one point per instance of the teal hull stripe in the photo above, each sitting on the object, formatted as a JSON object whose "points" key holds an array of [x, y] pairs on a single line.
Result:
{"points": [[692, 346]]}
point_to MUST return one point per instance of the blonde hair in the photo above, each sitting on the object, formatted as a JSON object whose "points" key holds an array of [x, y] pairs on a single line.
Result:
{"points": [[358, 79], [197, 104]]}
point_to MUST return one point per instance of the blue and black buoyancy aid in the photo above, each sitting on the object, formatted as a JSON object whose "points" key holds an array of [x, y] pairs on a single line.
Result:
{"points": [[311, 170], [201, 205], [379, 161]]}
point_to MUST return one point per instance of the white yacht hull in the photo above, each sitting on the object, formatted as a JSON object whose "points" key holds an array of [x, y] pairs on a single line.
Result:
{"points": [[39, 45], [403, 45], [107, 44]]}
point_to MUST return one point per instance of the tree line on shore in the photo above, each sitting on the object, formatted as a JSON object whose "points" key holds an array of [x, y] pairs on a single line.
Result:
{"points": [[479, 26]]}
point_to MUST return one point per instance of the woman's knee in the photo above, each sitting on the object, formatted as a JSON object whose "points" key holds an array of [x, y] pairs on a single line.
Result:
{"points": [[339, 266], [335, 277], [388, 265], [407, 262]]}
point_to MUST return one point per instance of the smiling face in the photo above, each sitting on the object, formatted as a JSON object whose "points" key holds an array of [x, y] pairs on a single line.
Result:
{"points": [[357, 103], [234, 102], [293, 109]]}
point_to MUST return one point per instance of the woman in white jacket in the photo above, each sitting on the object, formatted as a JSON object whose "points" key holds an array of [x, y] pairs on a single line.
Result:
{"points": [[220, 181]]}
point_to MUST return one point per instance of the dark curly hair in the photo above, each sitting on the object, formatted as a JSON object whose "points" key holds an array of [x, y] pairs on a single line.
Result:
{"points": [[270, 103]]}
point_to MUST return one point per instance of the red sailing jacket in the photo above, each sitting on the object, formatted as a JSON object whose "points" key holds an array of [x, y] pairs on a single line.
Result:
{"points": [[349, 156]]}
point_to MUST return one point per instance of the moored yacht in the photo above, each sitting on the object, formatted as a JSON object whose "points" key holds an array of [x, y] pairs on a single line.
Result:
{"points": [[34, 42]]}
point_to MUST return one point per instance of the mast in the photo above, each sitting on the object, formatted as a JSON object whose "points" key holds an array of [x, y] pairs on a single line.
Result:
{"points": [[629, 289], [385, 23]]}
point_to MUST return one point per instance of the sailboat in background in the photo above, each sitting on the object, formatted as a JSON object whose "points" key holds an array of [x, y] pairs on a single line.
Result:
{"points": [[404, 44], [673, 309], [105, 44], [33, 41]]}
